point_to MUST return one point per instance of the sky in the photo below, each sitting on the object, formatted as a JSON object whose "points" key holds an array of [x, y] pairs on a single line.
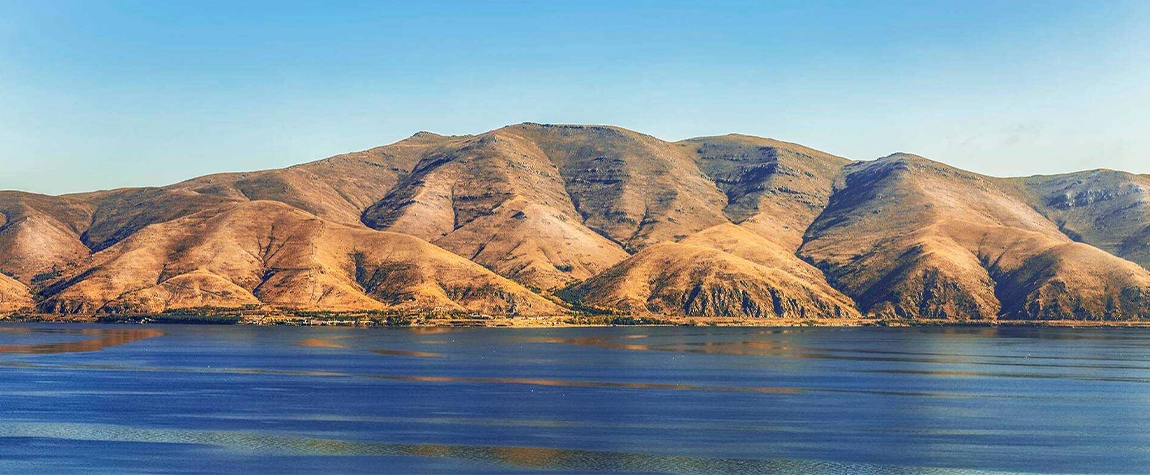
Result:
{"points": [[106, 94]]}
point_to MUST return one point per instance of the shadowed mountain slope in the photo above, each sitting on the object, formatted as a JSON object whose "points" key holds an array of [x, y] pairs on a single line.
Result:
{"points": [[635, 189], [594, 192], [497, 199], [773, 188], [38, 233], [338, 188]]}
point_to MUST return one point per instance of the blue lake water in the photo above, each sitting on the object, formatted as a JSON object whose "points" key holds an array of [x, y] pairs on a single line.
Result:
{"points": [[237, 399]]}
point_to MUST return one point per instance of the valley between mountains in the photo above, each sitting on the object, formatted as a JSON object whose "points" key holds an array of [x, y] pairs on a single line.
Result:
{"points": [[536, 220]]}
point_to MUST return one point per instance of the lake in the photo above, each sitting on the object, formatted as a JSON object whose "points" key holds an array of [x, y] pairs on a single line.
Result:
{"points": [[241, 399]]}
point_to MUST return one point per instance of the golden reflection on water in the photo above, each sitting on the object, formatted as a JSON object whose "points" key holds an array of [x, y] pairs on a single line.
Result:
{"points": [[597, 342], [413, 354], [415, 378], [588, 384], [432, 330], [102, 339], [750, 347], [319, 343], [775, 349], [740, 348]]}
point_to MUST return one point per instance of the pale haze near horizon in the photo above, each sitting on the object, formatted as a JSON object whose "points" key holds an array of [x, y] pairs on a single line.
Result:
{"points": [[97, 95]]}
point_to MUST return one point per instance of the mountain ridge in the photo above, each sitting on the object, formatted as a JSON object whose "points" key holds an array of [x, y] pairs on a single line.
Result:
{"points": [[539, 219]]}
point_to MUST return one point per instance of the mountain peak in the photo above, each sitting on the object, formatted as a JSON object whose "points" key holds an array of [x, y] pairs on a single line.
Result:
{"points": [[425, 135]]}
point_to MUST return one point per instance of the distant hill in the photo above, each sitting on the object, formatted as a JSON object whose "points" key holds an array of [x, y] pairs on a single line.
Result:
{"points": [[534, 219]]}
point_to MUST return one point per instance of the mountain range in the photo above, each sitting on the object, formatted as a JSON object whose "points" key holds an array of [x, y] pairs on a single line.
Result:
{"points": [[537, 220]]}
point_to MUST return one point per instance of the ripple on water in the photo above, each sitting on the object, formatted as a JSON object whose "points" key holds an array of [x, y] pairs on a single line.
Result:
{"points": [[538, 458]]}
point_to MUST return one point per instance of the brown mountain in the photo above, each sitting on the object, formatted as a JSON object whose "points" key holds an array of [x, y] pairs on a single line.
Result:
{"points": [[774, 188], [732, 226], [724, 270], [40, 233], [1106, 209], [14, 296], [498, 199], [268, 252]]}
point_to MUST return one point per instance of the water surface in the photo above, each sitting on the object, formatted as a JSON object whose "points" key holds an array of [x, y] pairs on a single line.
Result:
{"points": [[196, 399]]}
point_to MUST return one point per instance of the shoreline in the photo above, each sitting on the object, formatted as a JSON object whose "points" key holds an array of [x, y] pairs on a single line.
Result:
{"points": [[552, 321]]}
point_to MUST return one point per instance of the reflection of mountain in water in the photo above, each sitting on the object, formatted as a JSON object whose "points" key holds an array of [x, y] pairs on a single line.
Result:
{"points": [[100, 339]]}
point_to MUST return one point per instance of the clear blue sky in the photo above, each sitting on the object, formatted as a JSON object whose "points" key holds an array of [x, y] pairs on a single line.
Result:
{"points": [[106, 94]]}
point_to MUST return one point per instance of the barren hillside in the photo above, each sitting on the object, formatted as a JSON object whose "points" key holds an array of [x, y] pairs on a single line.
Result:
{"points": [[511, 221]]}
